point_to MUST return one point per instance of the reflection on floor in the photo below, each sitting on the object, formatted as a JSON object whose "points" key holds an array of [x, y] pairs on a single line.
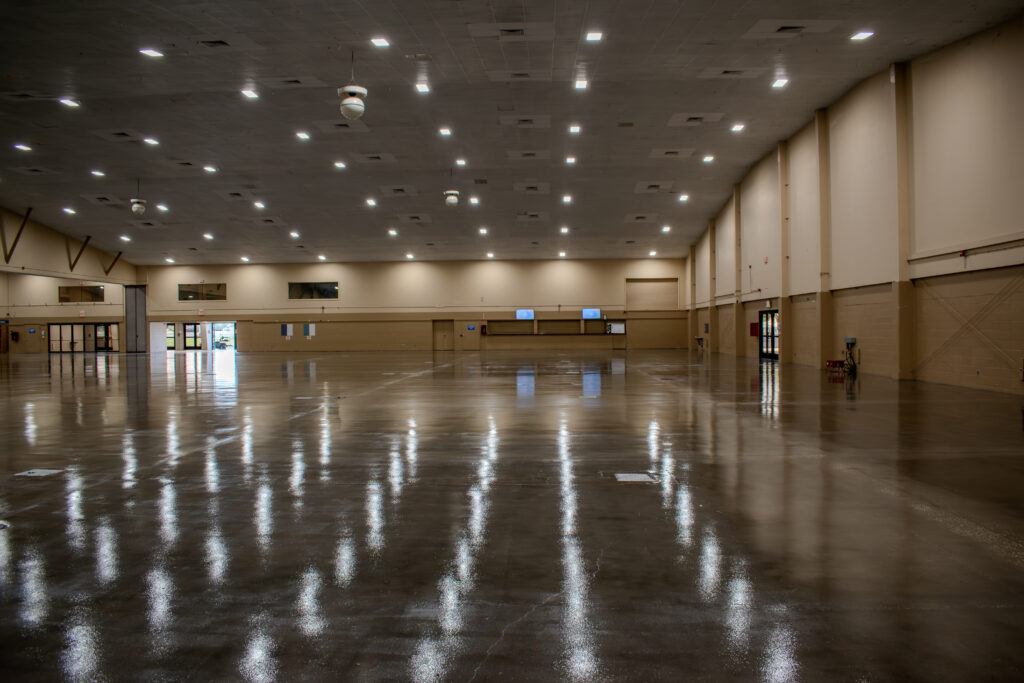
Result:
{"points": [[379, 516]]}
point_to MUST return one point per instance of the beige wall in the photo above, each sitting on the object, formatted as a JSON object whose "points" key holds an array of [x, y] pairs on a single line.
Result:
{"points": [[801, 329], [36, 297], [725, 250], [862, 134], [726, 329], [868, 314], [760, 237], [702, 258], [804, 218]]}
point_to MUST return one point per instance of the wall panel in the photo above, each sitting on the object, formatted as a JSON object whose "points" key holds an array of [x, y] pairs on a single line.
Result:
{"points": [[804, 216], [760, 236], [800, 331], [725, 250], [703, 256], [869, 314]]}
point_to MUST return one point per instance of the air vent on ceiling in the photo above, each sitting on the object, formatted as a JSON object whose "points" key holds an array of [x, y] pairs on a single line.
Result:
{"points": [[340, 125], [26, 96], [514, 32], [479, 181], [120, 134], [526, 120], [288, 81], [242, 194], [652, 186], [671, 153], [630, 241], [376, 157], [506, 75], [732, 72], [418, 56], [788, 28], [531, 216], [694, 118], [532, 187], [214, 43], [34, 170], [641, 217], [145, 224], [414, 217], [104, 200], [429, 244], [398, 190], [625, 124], [529, 154]]}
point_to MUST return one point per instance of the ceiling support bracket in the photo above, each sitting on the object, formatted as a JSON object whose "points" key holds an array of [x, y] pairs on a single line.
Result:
{"points": [[106, 271], [14, 244], [81, 250]]}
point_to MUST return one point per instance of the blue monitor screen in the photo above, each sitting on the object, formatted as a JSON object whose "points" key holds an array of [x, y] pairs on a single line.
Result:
{"points": [[591, 313], [524, 314]]}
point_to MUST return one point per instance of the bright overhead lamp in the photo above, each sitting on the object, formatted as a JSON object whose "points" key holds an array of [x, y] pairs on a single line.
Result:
{"points": [[570, 160], [68, 102], [151, 141], [126, 238], [422, 87], [294, 235], [490, 254], [684, 197], [737, 127], [380, 42], [210, 169], [780, 83], [22, 146], [69, 210], [321, 257], [575, 129], [708, 158], [561, 254], [339, 164], [666, 228], [483, 231], [245, 259], [474, 200], [862, 35], [581, 84], [409, 256], [565, 230], [98, 173], [259, 205], [370, 201], [250, 93], [169, 260], [150, 52], [460, 162], [162, 207], [393, 232], [567, 199], [302, 135], [207, 236], [594, 36], [652, 253], [445, 131]]}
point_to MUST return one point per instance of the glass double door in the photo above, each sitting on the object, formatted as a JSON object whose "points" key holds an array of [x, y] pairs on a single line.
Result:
{"points": [[74, 337], [768, 335]]}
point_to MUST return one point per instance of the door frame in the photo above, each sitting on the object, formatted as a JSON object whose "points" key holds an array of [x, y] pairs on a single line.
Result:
{"points": [[768, 344]]}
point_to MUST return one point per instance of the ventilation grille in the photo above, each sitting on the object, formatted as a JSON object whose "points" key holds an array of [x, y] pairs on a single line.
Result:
{"points": [[514, 32], [641, 217], [526, 120], [513, 75], [732, 72], [694, 119], [671, 153], [340, 125], [398, 191], [783, 29], [531, 187], [414, 218], [119, 135], [652, 186], [375, 158], [532, 216], [34, 170], [529, 154]]}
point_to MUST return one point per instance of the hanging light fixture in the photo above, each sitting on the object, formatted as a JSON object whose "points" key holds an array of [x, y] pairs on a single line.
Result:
{"points": [[352, 105], [138, 205], [451, 197]]}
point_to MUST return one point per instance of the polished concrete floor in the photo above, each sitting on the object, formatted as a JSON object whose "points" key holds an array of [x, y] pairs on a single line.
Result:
{"points": [[369, 516]]}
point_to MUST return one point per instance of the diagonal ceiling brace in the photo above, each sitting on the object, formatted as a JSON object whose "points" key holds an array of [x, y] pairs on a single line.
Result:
{"points": [[81, 250], [14, 244], [106, 270]]}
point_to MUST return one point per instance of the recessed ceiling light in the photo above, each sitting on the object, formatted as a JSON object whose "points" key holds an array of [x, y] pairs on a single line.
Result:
{"points": [[561, 254], [98, 173], [780, 83], [294, 235], [22, 146], [460, 162], [68, 102], [684, 197], [126, 238], [594, 36], [302, 135], [408, 256], [245, 259], [207, 236], [339, 164], [380, 42], [737, 127], [570, 160], [565, 229], [150, 52], [474, 200], [708, 158], [393, 232], [666, 228], [581, 84], [575, 129], [862, 35], [68, 209], [259, 205], [250, 93], [151, 141], [445, 131], [169, 260], [321, 257], [422, 87], [370, 201], [652, 253], [483, 231], [162, 207], [490, 254], [567, 199], [210, 169]]}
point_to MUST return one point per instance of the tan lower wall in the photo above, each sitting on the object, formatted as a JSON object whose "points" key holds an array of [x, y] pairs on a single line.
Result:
{"points": [[800, 332], [869, 314], [547, 341], [751, 314], [378, 335], [726, 329], [657, 333], [970, 329], [27, 343], [703, 319]]}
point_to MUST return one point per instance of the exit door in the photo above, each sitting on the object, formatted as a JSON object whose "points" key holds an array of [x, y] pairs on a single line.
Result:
{"points": [[444, 334], [768, 335]]}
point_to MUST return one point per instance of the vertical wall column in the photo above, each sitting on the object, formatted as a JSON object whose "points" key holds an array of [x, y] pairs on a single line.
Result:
{"points": [[785, 344], [712, 336], [739, 329], [825, 314], [692, 324], [903, 288]]}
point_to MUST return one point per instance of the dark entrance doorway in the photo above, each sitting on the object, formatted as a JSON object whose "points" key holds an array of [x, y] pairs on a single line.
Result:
{"points": [[768, 335]]}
